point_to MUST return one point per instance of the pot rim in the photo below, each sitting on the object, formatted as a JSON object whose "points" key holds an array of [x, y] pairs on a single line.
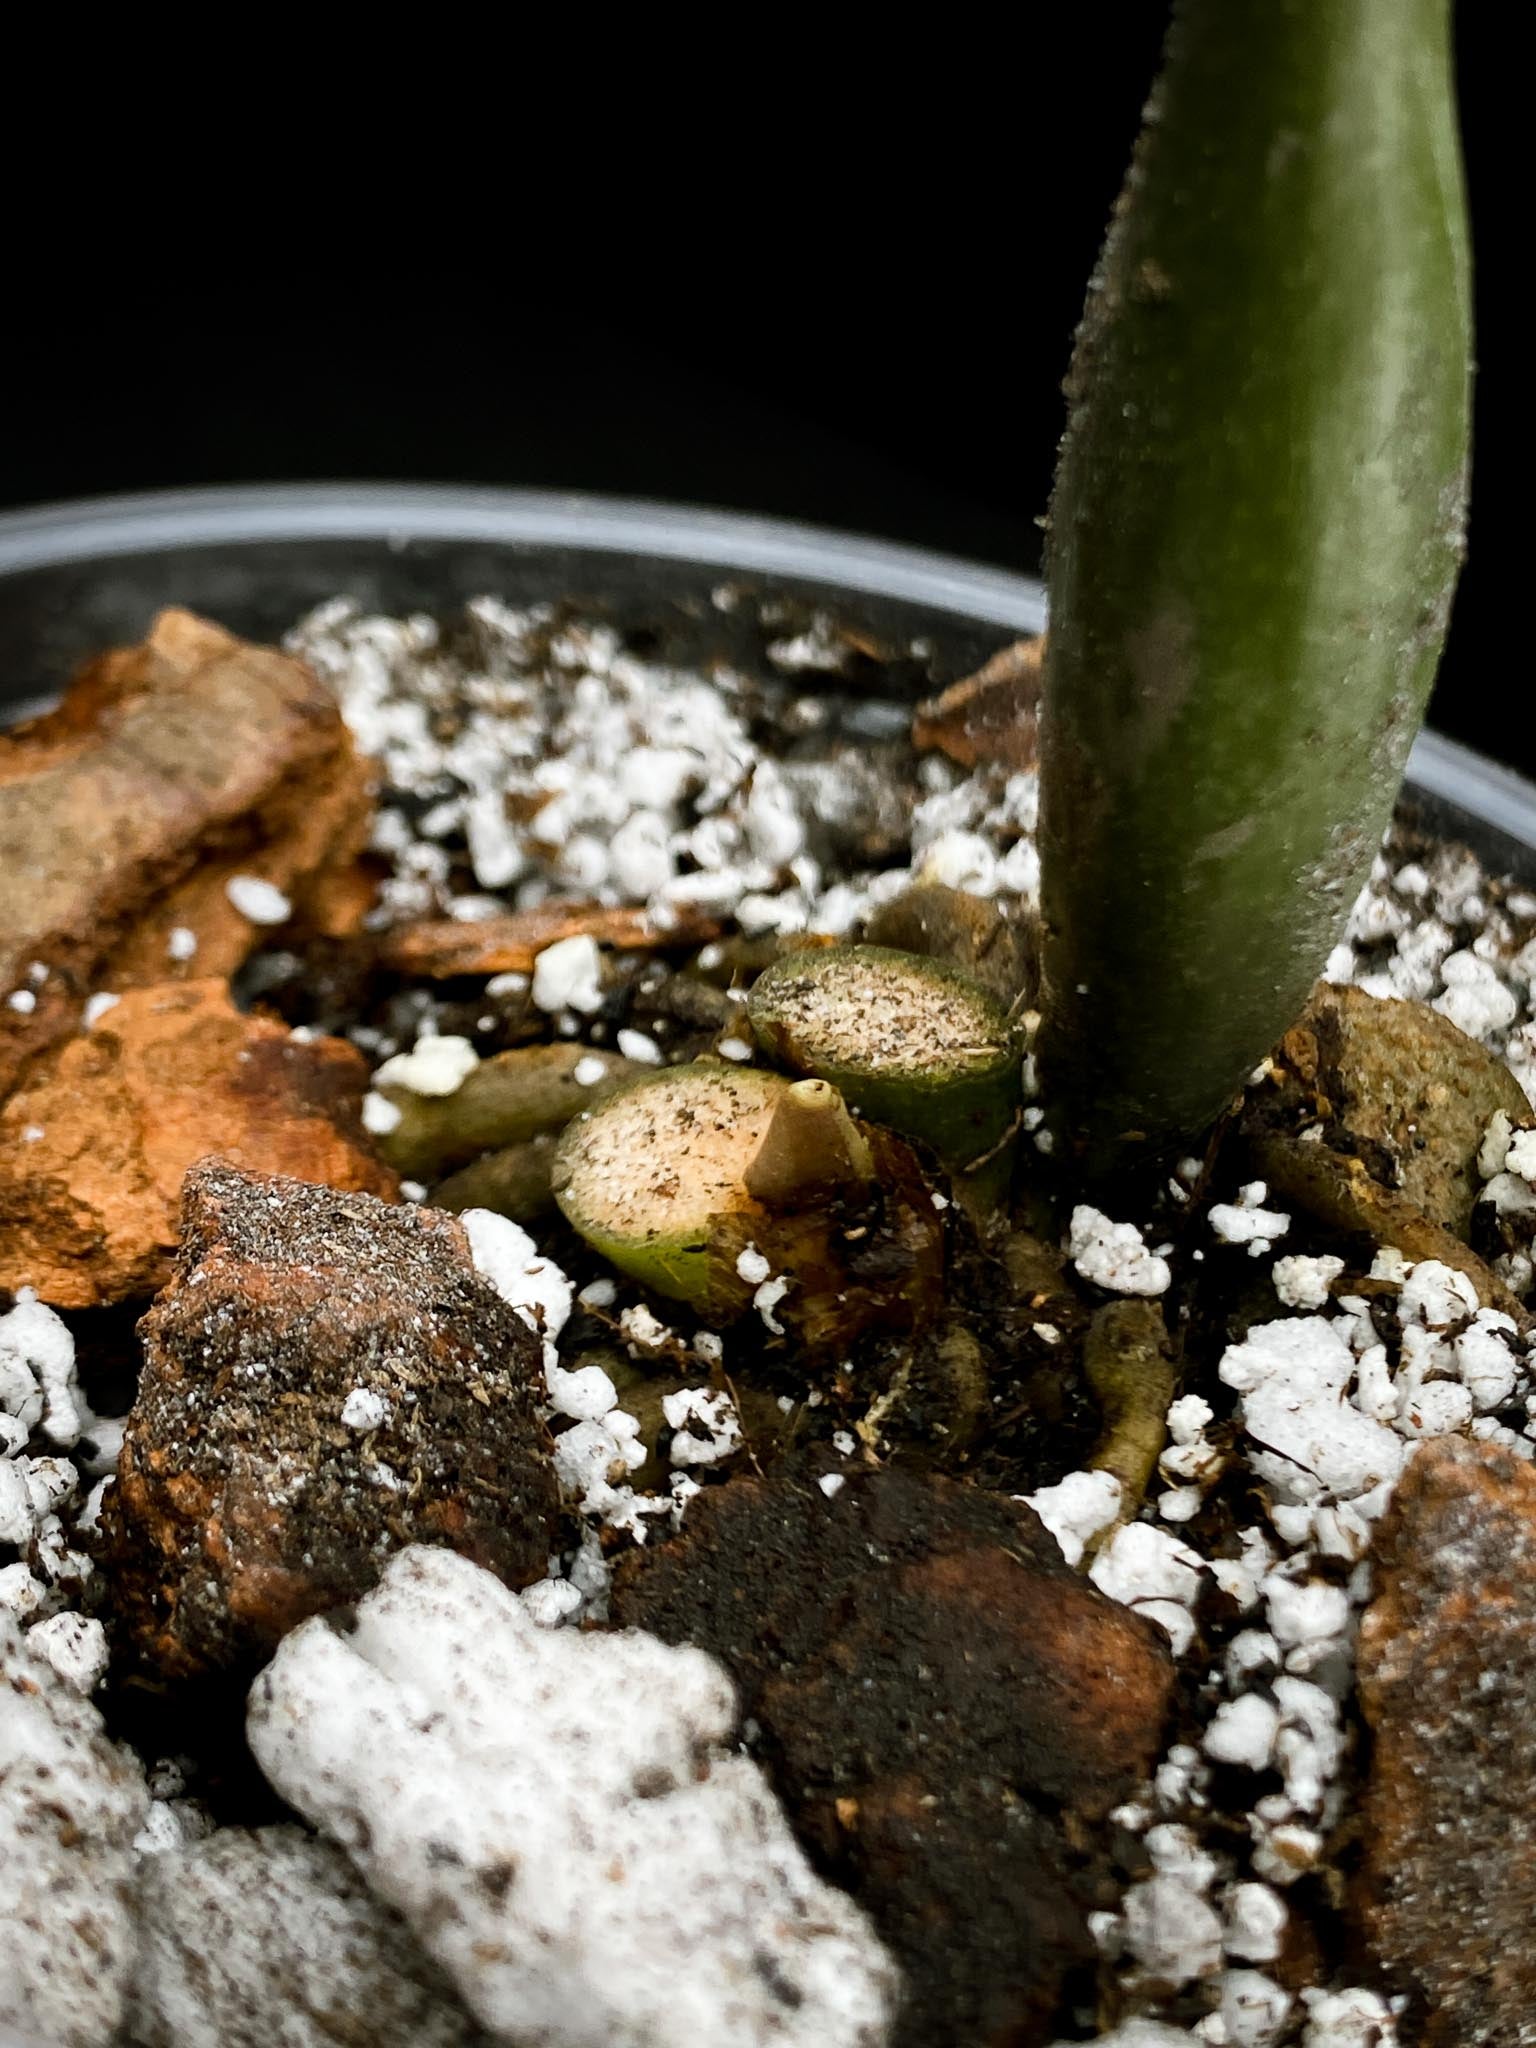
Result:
{"points": [[402, 514]]}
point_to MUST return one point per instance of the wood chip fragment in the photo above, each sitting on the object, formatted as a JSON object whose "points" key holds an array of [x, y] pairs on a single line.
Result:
{"points": [[168, 769], [992, 715], [440, 949]]}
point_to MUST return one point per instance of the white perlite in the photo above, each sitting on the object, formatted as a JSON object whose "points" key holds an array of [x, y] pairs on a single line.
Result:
{"points": [[262, 902], [569, 976], [1303, 1282], [37, 1371], [75, 1645], [1348, 2019], [434, 1066], [71, 1803], [1146, 1568], [269, 1939], [364, 1409], [380, 1115], [595, 1455], [557, 1817], [1077, 1508], [1114, 1255], [705, 1426], [1246, 1221]]}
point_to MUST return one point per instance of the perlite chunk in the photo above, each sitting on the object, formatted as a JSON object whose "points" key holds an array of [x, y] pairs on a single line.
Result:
{"points": [[71, 1803], [558, 1818]]}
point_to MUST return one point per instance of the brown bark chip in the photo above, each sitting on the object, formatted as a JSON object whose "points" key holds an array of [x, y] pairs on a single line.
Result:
{"points": [[244, 1501], [96, 1142], [1447, 1890], [991, 716], [948, 1712], [168, 769], [442, 949]]}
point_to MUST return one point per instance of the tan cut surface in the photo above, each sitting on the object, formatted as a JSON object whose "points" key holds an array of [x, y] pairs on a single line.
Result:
{"points": [[894, 1016], [666, 1156]]}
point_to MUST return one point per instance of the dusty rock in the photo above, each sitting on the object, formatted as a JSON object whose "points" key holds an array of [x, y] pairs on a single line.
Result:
{"points": [[71, 1803], [96, 1142], [440, 949], [1400, 1088], [947, 1711], [251, 1938], [1447, 1890], [990, 716], [326, 1378], [559, 1817], [168, 769]]}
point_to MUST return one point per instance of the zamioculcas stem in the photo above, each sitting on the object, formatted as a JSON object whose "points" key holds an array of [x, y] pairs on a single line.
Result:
{"points": [[506, 1100], [1255, 536], [810, 1143], [701, 1181], [910, 1042]]}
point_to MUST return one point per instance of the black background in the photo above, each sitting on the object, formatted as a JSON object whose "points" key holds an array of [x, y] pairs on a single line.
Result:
{"points": [[751, 267]]}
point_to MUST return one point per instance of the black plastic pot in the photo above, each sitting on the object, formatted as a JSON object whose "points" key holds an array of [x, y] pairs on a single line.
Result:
{"points": [[76, 578]]}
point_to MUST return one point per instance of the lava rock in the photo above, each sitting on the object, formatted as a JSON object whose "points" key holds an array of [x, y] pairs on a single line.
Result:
{"points": [[947, 1711], [169, 769], [326, 1379], [252, 1937], [1446, 1893], [71, 1802], [95, 1144]]}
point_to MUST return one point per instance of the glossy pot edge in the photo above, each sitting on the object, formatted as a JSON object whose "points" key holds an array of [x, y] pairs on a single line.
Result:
{"points": [[1460, 791]]}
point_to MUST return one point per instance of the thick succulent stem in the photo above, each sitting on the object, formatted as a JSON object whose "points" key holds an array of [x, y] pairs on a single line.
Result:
{"points": [[1255, 536], [912, 1043], [699, 1180]]}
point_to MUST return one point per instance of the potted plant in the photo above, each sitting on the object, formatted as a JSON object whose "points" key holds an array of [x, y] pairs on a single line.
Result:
{"points": [[1061, 1362]]}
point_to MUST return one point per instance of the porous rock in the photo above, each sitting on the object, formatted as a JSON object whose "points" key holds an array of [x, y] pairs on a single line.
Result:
{"points": [[326, 1378], [169, 769], [71, 1802], [557, 1816], [254, 1937], [1447, 1889], [1405, 1092], [947, 1711], [95, 1144]]}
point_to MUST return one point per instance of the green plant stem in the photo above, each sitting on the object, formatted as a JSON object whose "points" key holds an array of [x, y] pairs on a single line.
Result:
{"points": [[1255, 536]]}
